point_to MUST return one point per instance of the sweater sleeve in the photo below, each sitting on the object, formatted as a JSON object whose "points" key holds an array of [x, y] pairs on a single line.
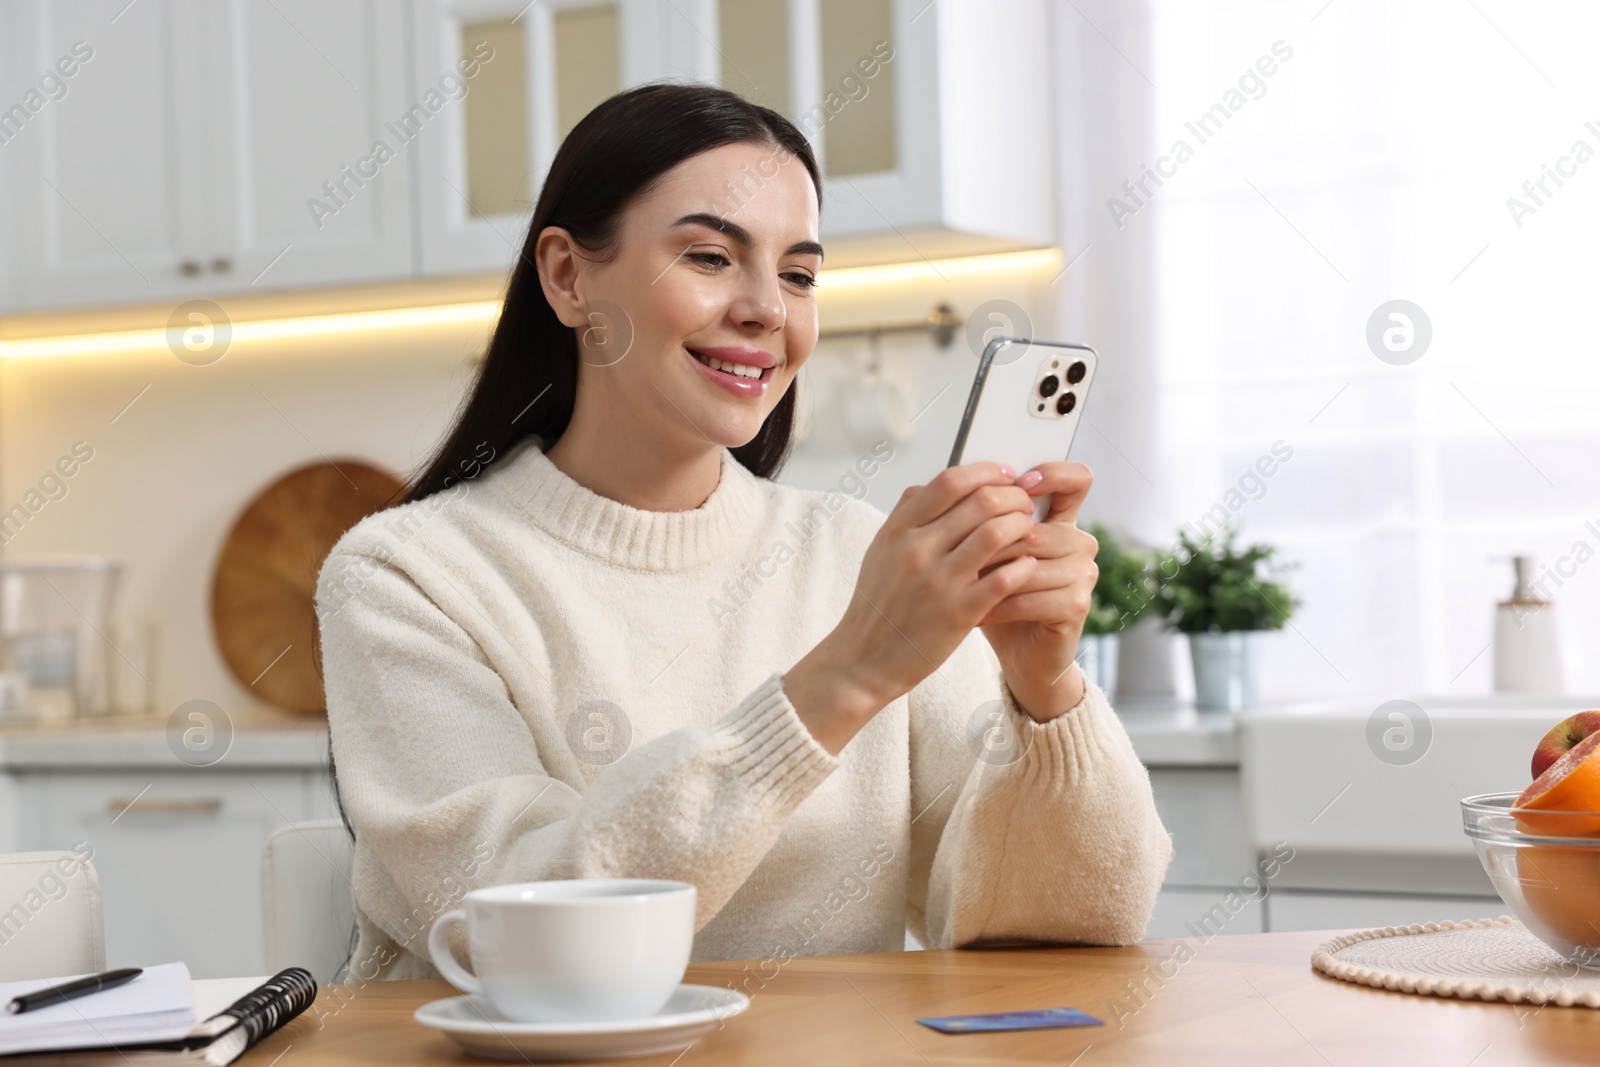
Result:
{"points": [[1025, 831], [441, 777]]}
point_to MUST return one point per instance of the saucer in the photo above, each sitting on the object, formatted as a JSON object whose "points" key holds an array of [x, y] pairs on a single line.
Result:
{"points": [[478, 1027]]}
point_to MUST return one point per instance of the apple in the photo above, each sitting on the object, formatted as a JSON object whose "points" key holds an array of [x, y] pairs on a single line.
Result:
{"points": [[1563, 738]]}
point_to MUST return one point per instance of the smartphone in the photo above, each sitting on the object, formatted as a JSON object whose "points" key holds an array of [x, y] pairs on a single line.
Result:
{"points": [[1025, 404]]}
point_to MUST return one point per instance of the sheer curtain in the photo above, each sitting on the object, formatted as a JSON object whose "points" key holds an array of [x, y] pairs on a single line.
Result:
{"points": [[1247, 187]]}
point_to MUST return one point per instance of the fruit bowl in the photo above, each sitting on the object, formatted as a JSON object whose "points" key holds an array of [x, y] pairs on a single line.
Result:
{"points": [[1546, 867]]}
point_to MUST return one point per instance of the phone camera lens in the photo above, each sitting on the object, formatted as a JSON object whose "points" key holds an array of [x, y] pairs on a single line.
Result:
{"points": [[1048, 385], [1076, 372], [1066, 402]]}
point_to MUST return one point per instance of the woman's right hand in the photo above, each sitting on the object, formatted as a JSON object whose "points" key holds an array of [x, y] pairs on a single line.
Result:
{"points": [[926, 580]]}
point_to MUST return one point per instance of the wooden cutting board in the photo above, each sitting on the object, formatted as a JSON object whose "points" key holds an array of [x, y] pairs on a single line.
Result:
{"points": [[263, 611]]}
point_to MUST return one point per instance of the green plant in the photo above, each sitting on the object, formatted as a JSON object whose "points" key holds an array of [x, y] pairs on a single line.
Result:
{"points": [[1210, 588], [1124, 589]]}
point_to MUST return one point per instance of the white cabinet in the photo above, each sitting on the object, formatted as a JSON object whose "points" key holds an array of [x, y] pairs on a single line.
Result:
{"points": [[178, 853], [1215, 882], [13, 88], [184, 153], [310, 183], [167, 150], [528, 73], [1205, 913], [107, 175], [931, 121], [1293, 909]]}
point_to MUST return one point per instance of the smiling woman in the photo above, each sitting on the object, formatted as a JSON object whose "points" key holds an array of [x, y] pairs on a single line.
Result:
{"points": [[535, 674]]}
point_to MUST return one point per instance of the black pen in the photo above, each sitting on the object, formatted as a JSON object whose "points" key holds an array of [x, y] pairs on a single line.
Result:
{"points": [[80, 987]]}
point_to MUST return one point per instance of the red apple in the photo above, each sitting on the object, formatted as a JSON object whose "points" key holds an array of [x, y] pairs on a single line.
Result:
{"points": [[1566, 736]]}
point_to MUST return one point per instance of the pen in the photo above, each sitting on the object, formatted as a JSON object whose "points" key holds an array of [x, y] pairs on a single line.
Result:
{"points": [[80, 987]]}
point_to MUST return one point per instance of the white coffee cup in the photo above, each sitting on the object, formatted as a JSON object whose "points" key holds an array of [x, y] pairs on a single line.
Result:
{"points": [[579, 950]]}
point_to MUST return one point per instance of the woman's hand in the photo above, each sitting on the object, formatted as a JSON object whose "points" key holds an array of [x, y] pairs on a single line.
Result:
{"points": [[1035, 630], [935, 569]]}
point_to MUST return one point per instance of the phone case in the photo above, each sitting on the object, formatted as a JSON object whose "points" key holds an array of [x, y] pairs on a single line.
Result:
{"points": [[1014, 413]]}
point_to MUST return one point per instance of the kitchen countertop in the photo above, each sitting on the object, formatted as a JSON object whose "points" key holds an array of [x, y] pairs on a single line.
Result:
{"points": [[1165, 733], [1172, 733], [261, 739]]}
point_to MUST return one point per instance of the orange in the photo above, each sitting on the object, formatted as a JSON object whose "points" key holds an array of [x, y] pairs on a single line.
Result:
{"points": [[1569, 791], [1561, 886]]}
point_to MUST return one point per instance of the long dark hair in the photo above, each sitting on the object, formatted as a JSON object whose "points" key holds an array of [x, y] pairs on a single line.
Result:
{"points": [[529, 378]]}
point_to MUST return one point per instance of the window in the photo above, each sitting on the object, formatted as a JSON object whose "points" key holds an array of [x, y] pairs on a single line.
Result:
{"points": [[1250, 188]]}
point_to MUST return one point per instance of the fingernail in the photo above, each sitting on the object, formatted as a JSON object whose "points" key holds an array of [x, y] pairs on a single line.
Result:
{"points": [[1031, 479], [1008, 470]]}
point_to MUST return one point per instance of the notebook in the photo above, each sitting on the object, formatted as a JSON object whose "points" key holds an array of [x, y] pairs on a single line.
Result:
{"points": [[152, 1021]]}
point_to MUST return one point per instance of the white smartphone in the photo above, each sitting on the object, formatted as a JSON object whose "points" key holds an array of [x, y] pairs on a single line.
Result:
{"points": [[1025, 405]]}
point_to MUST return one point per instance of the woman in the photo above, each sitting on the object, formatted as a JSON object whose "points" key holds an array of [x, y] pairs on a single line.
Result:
{"points": [[597, 640]]}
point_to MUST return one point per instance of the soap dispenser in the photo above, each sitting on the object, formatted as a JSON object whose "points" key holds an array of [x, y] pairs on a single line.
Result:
{"points": [[1527, 648]]}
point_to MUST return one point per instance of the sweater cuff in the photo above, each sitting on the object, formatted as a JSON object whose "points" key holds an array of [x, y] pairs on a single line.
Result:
{"points": [[1072, 742], [769, 748]]}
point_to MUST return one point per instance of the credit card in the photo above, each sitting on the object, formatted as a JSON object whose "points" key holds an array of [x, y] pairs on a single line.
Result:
{"points": [[1039, 1019]]}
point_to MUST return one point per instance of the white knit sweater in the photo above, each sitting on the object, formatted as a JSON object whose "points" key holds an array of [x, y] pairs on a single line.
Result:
{"points": [[527, 680]]}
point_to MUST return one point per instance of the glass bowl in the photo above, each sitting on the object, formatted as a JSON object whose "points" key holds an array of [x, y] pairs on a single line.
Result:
{"points": [[1546, 867]]}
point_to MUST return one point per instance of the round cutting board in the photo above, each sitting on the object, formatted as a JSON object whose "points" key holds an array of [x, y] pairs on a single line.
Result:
{"points": [[263, 609]]}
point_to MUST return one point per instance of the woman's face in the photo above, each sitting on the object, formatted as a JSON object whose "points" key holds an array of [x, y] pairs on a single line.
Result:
{"points": [[700, 322]]}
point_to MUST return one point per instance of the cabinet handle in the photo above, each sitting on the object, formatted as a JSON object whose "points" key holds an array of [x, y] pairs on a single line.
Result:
{"points": [[189, 268], [221, 265], [197, 805]]}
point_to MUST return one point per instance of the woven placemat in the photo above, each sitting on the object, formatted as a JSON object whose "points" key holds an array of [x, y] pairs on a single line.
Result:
{"points": [[1491, 959]]}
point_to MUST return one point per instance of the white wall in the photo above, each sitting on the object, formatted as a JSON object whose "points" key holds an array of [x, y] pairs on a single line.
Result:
{"points": [[170, 476]]}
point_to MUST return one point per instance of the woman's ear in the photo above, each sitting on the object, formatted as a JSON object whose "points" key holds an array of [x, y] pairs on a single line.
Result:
{"points": [[561, 275]]}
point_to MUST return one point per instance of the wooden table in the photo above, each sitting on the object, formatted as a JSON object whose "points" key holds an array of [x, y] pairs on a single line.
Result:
{"points": [[1246, 999]]}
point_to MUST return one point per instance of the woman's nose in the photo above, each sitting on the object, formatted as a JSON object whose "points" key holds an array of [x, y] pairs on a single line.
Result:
{"points": [[760, 305]]}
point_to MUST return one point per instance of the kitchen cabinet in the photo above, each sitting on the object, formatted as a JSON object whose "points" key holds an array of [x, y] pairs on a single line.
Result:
{"points": [[309, 178], [107, 176], [178, 866], [1293, 909], [1213, 863], [530, 73], [177, 848], [198, 149], [13, 88], [931, 121], [538, 70], [1214, 885], [1204, 913], [926, 152]]}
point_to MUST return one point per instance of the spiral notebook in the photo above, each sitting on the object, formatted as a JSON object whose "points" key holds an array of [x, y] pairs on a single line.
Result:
{"points": [[151, 1021]]}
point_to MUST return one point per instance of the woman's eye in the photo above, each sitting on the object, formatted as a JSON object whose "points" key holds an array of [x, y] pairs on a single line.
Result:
{"points": [[804, 281], [708, 259]]}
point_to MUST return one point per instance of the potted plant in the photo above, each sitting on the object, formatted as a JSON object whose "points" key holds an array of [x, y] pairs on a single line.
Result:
{"points": [[1122, 592], [1221, 597]]}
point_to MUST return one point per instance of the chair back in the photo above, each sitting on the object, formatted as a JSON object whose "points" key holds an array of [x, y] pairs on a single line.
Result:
{"points": [[307, 914], [50, 918]]}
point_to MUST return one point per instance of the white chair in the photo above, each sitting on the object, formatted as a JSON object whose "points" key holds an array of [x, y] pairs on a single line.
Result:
{"points": [[307, 915], [50, 919]]}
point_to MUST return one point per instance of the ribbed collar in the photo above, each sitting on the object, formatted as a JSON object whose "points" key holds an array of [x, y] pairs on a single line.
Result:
{"points": [[623, 535]]}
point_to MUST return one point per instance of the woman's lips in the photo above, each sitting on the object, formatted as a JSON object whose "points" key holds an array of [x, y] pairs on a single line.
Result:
{"points": [[733, 383]]}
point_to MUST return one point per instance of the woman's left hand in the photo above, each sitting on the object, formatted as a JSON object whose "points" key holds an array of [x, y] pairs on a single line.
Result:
{"points": [[1035, 631]]}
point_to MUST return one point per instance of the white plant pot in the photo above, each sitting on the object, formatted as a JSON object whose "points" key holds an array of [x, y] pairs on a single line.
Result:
{"points": [[1097, 658], [1224, 670]]}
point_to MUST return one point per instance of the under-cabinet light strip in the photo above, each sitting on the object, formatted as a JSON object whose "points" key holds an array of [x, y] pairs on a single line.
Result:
{"points": [[485, 311]]}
